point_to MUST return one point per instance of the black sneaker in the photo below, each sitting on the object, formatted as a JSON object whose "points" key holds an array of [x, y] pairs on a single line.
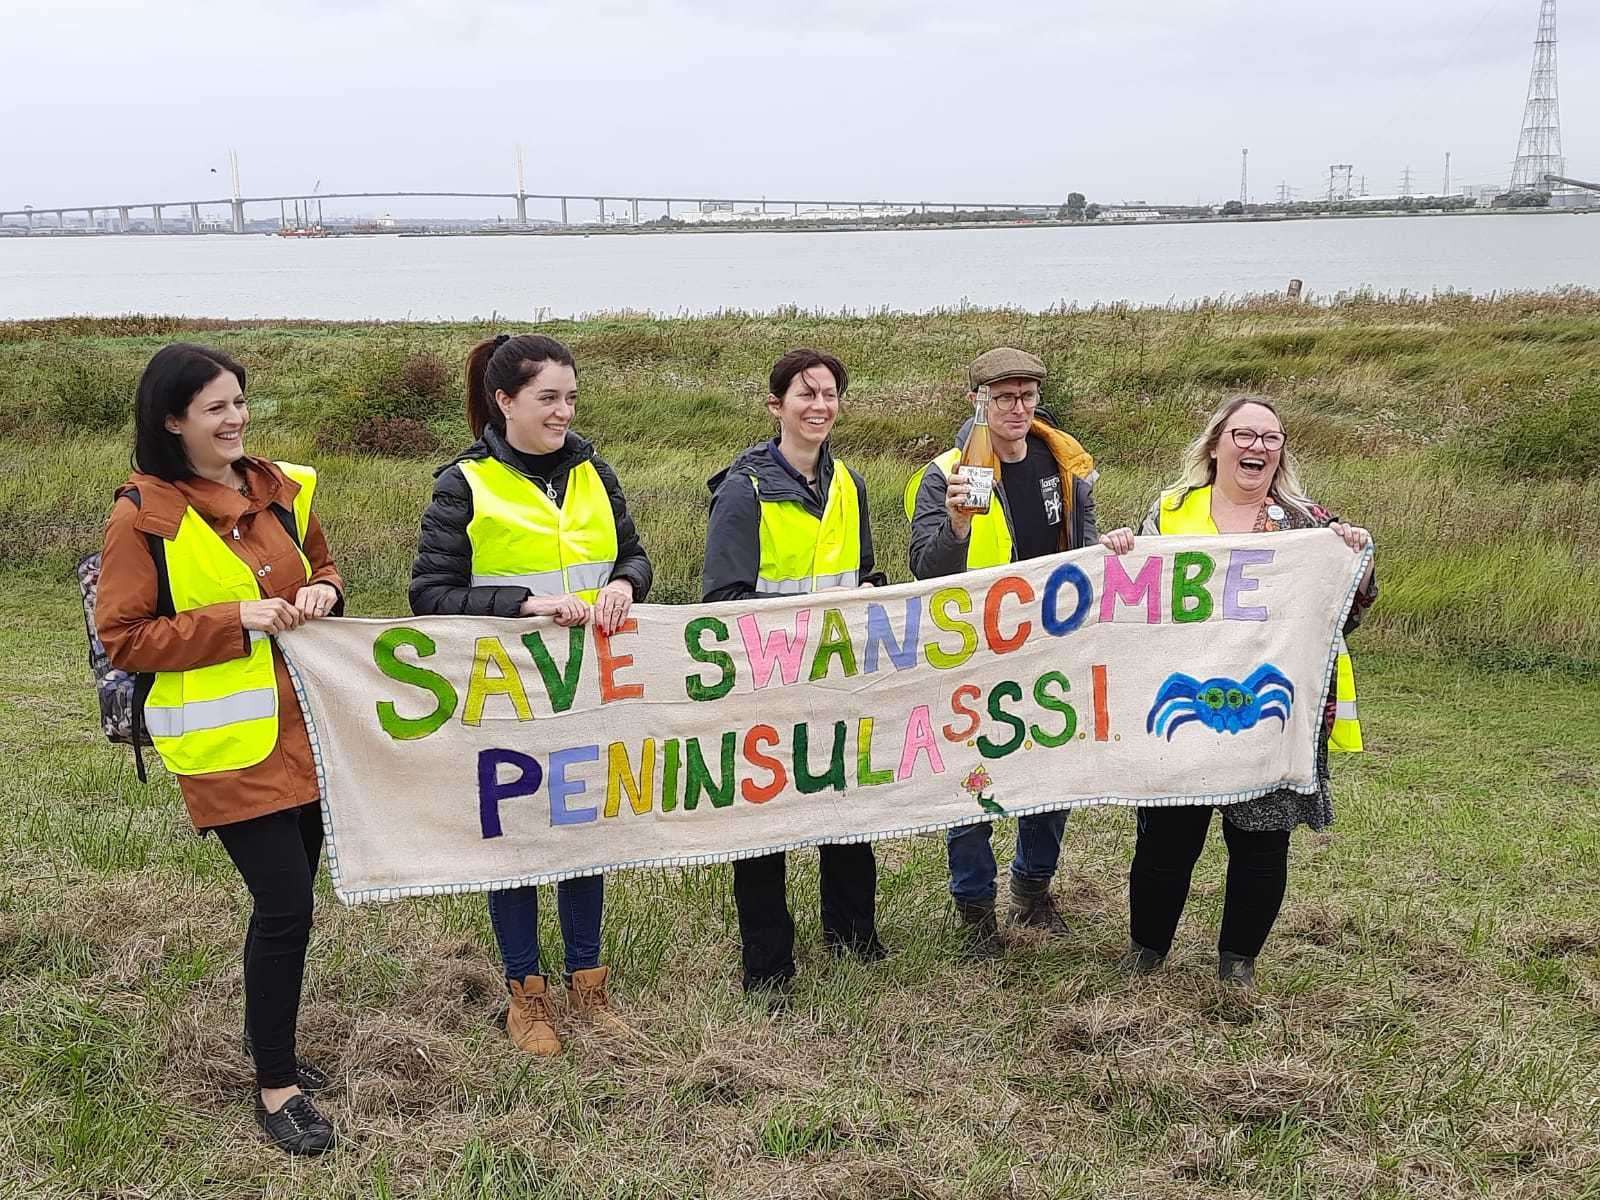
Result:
{"points": [[309, 1077], [297, 1127], [981, 930], [1236, 969], [870, 951], [776, 992]]}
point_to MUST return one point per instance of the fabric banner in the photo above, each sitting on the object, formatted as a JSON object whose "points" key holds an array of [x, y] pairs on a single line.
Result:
{"points": [[472, 753]]}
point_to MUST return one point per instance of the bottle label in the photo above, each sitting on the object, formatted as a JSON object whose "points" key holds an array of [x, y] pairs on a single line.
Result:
{"points": [[980, 487]]}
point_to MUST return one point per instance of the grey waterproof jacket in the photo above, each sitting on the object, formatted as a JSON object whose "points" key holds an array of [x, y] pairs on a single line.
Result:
{"points": [[733, 538]]}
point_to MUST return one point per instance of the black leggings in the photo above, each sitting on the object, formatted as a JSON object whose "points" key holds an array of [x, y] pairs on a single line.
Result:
{"points": [[1170, 841], [277, 856], [766, 930]]}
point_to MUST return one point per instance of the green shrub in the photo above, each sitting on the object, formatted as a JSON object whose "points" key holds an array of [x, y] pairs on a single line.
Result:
{"points": [[88, 390], [425, 375], [392, 437], [1558, 438], [384, 379]]}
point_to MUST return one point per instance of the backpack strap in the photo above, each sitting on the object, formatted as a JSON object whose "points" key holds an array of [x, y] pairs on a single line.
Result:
{"points": [[286, 519], [143, 681]]}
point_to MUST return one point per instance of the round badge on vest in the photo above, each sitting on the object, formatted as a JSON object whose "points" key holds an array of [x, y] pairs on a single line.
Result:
{"points": [[1276, 513]]}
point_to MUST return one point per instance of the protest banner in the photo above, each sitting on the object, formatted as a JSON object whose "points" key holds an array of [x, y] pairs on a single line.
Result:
{"points": [[472, 753]]}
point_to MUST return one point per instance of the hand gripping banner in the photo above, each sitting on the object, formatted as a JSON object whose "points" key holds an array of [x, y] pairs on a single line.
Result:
{"points": [[472, 753]]}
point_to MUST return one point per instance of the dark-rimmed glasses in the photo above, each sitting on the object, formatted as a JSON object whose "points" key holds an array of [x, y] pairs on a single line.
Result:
{"points": [[1246, 438], [1012, 402]]}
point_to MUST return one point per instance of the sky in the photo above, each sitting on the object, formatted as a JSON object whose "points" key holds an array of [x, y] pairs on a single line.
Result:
{"points": [[108, 102]]}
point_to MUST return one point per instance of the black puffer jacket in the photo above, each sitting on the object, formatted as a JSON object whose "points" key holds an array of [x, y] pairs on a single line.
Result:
{"points": [[441, 575], [733, 539]]}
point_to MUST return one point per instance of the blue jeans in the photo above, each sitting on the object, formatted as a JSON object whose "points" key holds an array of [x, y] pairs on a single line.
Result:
{"points": [[515, 916], [972, 869]]}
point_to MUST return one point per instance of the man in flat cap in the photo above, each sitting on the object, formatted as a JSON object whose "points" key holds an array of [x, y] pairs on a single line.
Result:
{"points": [[1044, 504]]}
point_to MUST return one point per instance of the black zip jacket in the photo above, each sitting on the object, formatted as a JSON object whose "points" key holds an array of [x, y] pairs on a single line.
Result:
{"points": [[733, 539], [441, 575]]}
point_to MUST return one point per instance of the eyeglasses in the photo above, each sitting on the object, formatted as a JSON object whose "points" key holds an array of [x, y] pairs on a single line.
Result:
{"points": [[1245, 438], [1024, 401]]}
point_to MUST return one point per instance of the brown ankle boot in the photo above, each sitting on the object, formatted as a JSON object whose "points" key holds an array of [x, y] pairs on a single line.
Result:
{"points": [[586, 996], [529, 1024]]}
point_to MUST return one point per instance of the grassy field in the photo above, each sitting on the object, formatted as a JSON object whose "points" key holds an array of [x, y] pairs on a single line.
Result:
{"points": [[1428, 1020]]}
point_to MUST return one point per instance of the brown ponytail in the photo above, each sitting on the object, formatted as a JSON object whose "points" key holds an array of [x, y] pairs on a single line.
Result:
{"points": [[506, 364]]}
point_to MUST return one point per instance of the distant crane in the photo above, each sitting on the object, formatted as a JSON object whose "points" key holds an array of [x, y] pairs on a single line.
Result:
{"points": [[1577, 183]]}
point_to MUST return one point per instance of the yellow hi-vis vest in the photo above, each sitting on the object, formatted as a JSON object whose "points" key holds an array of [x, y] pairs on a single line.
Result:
{"points": [[801, 553], [521, 539], [223, 717], [989, 544], [1193, 515]]}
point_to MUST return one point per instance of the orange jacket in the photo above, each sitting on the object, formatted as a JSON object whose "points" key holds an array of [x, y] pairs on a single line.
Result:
{"points": [[137, 639]]}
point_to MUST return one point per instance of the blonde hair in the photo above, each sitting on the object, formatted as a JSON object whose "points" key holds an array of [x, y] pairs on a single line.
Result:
{"points": [[1200, 468]]}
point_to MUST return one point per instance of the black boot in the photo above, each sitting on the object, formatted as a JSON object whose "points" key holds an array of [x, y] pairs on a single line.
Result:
{"points": [[1141, 960], [981, 930], [1033, 907], [776, 992], [310, 1078], [1236, 969], [297, 1127]]}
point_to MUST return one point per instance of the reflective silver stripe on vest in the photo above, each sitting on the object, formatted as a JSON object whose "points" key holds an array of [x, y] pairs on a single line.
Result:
{"points": [[211, 714], [1344, 710], [540, 583], [257, 635], [588, 575], [801, 587]]}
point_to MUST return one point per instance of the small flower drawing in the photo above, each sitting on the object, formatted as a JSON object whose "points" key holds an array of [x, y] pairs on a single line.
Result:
{"points": [[976, 785]]}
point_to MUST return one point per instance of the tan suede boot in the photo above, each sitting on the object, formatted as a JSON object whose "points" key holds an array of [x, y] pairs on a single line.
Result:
{"points": [[529, 1023], [586, 996]]}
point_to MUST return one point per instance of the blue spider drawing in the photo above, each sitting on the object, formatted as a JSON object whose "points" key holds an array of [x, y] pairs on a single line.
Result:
{"points": [[1221, 704]]}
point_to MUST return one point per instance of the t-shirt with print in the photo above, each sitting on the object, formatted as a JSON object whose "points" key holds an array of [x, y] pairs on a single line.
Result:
{"points": [[1033, 501]]}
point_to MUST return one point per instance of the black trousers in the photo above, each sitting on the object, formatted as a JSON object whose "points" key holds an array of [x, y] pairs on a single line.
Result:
{"points": [[277, 856], [849, 908], [1170, 841]]}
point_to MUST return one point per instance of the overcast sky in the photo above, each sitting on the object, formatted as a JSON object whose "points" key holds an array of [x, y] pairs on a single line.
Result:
{"points": [[902, 99]]}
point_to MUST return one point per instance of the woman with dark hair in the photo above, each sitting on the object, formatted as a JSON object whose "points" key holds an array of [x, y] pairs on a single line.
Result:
{"points": [[789, 519], [208, 554], [529, 522], [1239, 476]]}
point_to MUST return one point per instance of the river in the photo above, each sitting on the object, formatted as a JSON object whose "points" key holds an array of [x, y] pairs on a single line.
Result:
{"points": [[460, 278]]}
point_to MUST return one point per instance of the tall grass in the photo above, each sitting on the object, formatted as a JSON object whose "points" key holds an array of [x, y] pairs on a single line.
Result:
{"points": [[1426, 1022], [1462, 432]]}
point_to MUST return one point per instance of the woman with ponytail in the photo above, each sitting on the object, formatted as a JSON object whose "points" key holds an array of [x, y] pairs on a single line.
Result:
{"points": [[529, 522]]}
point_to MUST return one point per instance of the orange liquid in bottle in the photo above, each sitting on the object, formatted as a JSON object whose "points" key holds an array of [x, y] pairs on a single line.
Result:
{"points": [[978, 462]]}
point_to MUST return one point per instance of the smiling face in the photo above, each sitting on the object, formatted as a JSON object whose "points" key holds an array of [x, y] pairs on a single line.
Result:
{"points": [[212, 427], [539, 415], [1246, 472], [807, 409], [1011, 406]]}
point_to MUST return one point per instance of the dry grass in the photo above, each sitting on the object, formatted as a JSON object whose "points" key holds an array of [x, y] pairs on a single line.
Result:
{"points": [[1428, 1021]]}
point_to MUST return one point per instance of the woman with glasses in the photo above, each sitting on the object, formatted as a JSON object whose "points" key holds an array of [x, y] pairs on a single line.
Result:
{"points": [[1239, 476]]}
